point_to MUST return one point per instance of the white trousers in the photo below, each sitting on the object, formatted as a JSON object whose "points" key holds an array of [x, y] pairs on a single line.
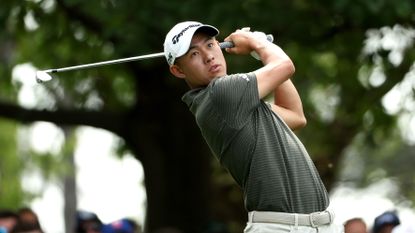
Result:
{"points": [[283, 228]]}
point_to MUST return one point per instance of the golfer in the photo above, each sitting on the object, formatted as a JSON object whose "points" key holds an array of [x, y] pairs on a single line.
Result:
{"points": [[251, 138]]}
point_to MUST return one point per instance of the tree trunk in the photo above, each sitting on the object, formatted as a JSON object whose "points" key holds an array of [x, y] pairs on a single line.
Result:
{"points": [[177, 173], [69, 186]]}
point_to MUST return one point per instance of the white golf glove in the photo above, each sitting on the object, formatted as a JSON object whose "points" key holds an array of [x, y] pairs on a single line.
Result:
{"points": [[258, 35]]}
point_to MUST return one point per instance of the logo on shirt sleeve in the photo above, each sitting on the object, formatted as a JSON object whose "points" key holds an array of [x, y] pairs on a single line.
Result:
{"points": [[244, 76]]}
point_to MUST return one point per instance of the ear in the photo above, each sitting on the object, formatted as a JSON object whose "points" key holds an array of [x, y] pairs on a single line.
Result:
{"points": [[177, 71]]}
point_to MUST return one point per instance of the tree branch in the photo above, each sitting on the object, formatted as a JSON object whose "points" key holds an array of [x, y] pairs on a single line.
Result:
{"points": [[102, 119]]}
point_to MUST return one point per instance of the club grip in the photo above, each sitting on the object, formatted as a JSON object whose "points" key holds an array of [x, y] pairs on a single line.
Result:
{"points": [[229, 44], [226, 44]]}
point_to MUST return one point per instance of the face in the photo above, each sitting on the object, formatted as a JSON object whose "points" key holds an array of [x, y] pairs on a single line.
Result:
{"points": [[91, 227], [203, 62], [8, 223], [355, 227]]}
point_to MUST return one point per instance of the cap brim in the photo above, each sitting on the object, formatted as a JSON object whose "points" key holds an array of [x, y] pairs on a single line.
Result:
{"points": [[209, 30]]}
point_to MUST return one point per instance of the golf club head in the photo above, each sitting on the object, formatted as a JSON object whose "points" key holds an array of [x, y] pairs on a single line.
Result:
{"points": [[43, 76]]}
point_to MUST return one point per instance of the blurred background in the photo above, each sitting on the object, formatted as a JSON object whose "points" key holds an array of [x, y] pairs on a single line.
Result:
{"points": [[118, 141]]}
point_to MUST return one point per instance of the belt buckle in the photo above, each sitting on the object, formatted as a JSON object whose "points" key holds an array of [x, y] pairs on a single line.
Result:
{"points": [[331, 215], [311, 217]]}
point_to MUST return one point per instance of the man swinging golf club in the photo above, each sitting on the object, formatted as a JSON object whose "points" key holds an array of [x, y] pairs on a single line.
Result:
{"points": [[252, 139]]}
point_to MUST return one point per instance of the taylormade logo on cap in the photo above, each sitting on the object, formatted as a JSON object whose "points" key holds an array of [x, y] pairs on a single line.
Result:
{"points": [[178, 39]]}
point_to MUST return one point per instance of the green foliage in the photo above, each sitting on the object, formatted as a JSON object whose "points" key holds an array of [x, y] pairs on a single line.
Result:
{"points": [[11, 192], [383, 159]]}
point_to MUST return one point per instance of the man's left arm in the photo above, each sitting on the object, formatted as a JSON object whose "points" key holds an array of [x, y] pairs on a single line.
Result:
{"points": [[273, 77]]}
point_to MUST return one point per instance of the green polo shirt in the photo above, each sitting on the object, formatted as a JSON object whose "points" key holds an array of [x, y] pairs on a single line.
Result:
{"points": [[259, 150]]}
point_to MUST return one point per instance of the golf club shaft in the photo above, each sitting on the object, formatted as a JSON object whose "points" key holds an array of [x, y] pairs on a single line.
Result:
{"points": [[103, 63], [223, 45], [122, 60]]}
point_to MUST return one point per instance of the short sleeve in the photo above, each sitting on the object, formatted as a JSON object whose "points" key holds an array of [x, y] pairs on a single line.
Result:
{"points": [[235, 97]]}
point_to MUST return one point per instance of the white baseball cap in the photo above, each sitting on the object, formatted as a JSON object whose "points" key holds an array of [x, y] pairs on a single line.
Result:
{"points": [[178, 39]]}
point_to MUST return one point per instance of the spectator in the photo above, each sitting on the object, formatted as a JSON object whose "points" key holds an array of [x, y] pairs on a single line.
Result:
{"points": [[136, 226], [385, 222], [28, 221], [8, 220], [355, 225], [87, 222], [120, 226]]}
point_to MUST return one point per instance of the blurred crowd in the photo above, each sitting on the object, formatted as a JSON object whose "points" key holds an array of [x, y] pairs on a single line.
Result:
{"points": [[89, 222], [387, 222], [25, 220]]}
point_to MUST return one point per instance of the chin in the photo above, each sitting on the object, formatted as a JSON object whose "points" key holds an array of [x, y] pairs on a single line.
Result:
{"points": [[221, 75]]}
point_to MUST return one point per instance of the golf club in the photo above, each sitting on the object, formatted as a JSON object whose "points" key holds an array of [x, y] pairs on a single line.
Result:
{"points": [[44, 75]]}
